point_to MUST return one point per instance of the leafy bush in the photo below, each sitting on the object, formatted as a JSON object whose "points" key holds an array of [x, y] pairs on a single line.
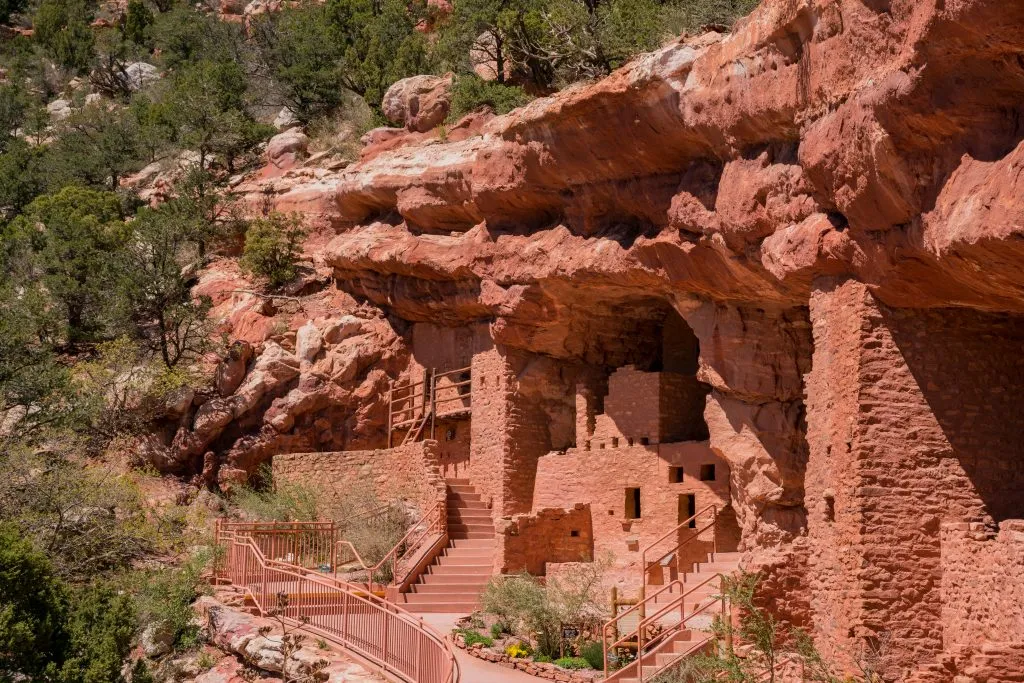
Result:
{"points": [[496, 630], [542, 659], [272, 248], [470, 92], [166, 598], [473, 637], [101, 627], [271, 501], [572, 663], [33, 608], [593, 652]]}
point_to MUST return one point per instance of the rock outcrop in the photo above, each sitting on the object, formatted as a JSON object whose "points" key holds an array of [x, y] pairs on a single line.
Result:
{"points": [[826, 196]]}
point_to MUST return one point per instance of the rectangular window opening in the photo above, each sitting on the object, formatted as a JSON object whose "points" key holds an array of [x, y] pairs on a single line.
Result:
{"points": [[574, 533], [675, 475], [687, 509], [632, 503], [707, 472]]}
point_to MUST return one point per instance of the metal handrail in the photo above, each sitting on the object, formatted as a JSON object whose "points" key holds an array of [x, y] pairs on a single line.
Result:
{"points": [[645, 569], [638, 633], [435, 518], [377, 630]]}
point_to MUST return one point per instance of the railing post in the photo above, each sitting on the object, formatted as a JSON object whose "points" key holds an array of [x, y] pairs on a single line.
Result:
{"points": [[391, 407]]}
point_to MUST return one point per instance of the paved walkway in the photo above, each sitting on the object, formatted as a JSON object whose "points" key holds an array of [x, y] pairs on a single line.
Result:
{"points": [[477, 670]]}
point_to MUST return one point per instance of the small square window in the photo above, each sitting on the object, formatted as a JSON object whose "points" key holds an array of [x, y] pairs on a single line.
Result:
{"points": [[633, 503], [574, 533], [644, 441], [449, 434], [707, 472], [615, 442], [675, 475]]}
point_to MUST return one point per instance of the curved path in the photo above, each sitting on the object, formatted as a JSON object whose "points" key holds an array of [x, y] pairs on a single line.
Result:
{"points": [[475, 670]]}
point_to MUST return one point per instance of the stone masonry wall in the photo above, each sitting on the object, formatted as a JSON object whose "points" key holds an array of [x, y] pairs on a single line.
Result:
{"points": [[408, 473], [529, 542], [982, 583], [600, 477], [894, 453]]}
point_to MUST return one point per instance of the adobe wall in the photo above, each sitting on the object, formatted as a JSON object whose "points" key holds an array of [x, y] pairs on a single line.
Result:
{"points": [[905, 434], [600, 477], [522, 408], [453, 448], [642, 408], [409, 473], [529, 542], [982, 583]]}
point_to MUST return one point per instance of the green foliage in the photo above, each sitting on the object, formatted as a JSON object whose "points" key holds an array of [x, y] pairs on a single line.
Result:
{"points": [[33, 608], [575, 663], [207, 109], [90, 521], [62, 28], [137, 20], [101, 626], [693, 15], [542, 659], [301, 49], [593, 652], [185, 37], [272, 248], [9, 7], [534, 610], [497, 629], [166, 597], [474, 637], [75, 239], [469, 91], [277, 501], [96, 146]]}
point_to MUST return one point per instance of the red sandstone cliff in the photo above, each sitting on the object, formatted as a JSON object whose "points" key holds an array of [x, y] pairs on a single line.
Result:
{"points": [[820, 194]]}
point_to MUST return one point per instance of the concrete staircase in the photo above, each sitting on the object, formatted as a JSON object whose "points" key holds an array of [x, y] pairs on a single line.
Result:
{"points": [[454, 581], [694, 636]]}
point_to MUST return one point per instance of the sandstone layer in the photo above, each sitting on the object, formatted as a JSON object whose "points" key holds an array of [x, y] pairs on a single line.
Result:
{"points": [[830, 198]]}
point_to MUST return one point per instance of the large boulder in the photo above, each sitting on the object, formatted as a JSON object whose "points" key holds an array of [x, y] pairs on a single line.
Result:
{"points": [[284, 149], [140, 74], [420, 103]]}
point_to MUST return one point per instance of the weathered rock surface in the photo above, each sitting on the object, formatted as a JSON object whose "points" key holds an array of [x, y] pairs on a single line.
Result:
{"points": [[738, 179], [420, 103]]}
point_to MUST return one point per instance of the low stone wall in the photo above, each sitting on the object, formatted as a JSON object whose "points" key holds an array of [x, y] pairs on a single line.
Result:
{"points": [[529, 542], [540, 669], [409, 473]]}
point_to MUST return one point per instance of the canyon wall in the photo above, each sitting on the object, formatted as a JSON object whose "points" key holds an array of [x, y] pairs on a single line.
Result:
{"points": [[828, 199]]}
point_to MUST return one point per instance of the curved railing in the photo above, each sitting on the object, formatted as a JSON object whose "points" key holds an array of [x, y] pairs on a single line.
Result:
{"points": [[378, 631]]}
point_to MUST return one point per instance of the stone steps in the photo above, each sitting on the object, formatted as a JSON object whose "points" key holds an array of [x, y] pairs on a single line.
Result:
{"points": [[453, 582]]}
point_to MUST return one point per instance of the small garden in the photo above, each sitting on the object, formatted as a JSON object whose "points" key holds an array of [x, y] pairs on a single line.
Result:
{"points": [[544, 627]]}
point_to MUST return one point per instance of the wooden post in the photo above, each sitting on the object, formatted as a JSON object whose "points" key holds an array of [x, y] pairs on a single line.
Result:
{"points": [[433, 404], [391, 407], [640, 602]]}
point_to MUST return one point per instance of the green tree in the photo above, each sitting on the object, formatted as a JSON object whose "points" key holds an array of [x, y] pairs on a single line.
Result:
{"points": [[137, 20], [272, 248], [184, 36], [62, 28], [77, 237], [22, 176], [33, 609], [163, 248], [207, 109], [469, 91], [301, 49], [101, 625], [96, 146]]}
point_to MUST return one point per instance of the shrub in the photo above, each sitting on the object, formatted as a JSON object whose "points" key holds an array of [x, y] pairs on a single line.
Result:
{"points": [[496, 630], [542, 659], [473, 637], [33, 608], [593, 652], [101, 626], [272, 247], [166, 597], [271, 501], [470, 92], [572, 663]]}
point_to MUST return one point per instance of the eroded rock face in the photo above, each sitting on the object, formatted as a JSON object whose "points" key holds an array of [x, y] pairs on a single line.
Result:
{"points": [[420, 103], [735, 179]]}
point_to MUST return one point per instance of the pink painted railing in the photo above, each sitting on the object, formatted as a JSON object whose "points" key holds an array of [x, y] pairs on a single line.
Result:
{"points": [[376, 630], [306, 544], [694, 534], [651, 634]]}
